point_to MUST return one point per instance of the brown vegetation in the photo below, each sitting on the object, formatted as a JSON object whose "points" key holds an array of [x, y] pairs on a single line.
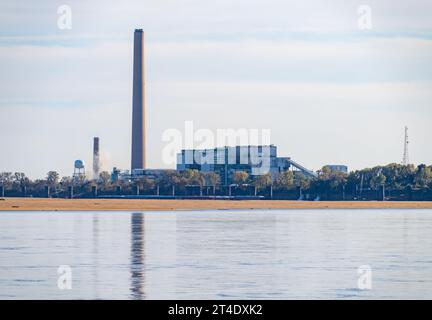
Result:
{"points": [[40, 204]]}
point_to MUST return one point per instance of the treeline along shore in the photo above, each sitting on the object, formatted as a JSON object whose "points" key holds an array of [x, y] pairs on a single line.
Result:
{"points": [[393, 182]]}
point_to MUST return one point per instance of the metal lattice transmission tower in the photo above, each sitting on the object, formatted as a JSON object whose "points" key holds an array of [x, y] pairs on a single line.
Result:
{"points": [[405, 160]]}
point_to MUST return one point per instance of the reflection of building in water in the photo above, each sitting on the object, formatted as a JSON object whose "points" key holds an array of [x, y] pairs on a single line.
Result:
{"points": [[137, 255]]}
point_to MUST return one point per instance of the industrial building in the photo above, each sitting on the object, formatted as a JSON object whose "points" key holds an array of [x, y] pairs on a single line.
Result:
{"points": [[118, 174], [255, 160]]}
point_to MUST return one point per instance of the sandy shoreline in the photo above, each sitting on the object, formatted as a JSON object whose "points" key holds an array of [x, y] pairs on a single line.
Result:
{"points": [[38, 204]]}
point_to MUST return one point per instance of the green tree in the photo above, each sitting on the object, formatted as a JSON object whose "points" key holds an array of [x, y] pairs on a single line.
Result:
{"points": [[240, 177], [300, 180], [20, 179], [66, 181], [194, 177], [144, 183], [170, 179], [52, 178], [262, 181], [423, 176], [378, 180], [212, 179], [285, 180], [6, 179]]}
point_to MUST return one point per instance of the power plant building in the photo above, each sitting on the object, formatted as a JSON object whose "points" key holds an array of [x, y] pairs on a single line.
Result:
{"points": [[255, 160]]}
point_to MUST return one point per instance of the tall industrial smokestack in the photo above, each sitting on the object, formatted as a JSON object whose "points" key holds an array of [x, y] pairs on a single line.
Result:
{"points": [[96, 158], [138, 159]]}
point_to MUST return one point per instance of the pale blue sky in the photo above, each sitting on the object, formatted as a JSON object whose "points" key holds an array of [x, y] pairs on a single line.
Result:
{"points": [[329, 92]]}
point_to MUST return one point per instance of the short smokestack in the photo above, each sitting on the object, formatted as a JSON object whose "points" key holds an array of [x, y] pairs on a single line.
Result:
{"points": [[96, 158]]}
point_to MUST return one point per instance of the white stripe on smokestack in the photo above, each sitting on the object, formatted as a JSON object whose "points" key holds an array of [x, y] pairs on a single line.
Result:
{"points": [[138, 160]]}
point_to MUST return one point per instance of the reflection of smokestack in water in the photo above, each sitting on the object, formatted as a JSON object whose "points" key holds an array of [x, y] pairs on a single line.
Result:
{"points": [[96, 158]]}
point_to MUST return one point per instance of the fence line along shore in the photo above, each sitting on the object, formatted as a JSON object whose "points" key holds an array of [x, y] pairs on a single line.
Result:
{"points": [[45, 204]]}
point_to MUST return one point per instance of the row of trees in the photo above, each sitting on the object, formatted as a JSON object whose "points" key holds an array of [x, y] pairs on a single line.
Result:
{"points": [[390, 177], [179, 179]]}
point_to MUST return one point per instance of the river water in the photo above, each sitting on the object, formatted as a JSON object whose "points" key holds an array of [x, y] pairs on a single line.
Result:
{"points": [[252, 254]]}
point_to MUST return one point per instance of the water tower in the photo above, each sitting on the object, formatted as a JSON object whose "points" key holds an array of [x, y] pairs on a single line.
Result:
{"points": [[79, 169]]}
